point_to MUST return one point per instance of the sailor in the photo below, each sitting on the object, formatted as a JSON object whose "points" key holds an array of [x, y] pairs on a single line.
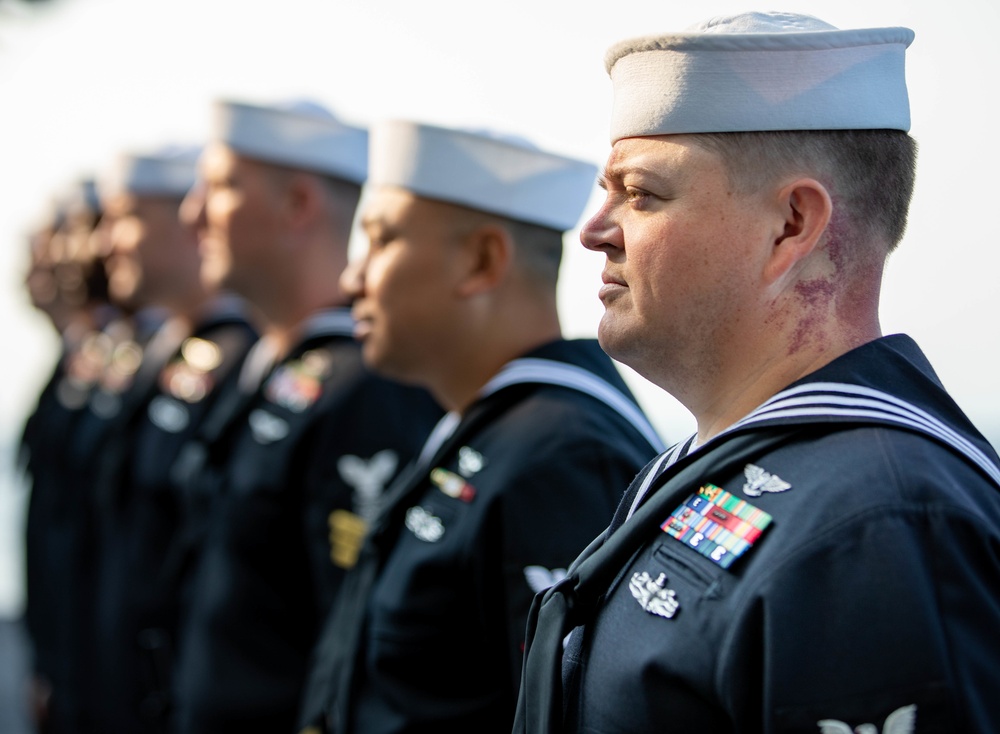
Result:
{"points": [[281, 476], [457, 292], [153, 261], [821, 555], [68, 283]]}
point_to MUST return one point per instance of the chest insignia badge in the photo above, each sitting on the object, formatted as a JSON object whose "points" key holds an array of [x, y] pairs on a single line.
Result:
{"points": [[297, 384], [654, 596], [119, 375], [470, 461], [452, 484], [760, 481], [188, 376], [168, 414], [426, 526], [347, 532], [540, 578], [901, 721], [718, 525], [267, 428], [368, 478]]}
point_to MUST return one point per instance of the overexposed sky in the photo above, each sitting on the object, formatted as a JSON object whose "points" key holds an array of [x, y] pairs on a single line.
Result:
{"points": [[87, 78]]}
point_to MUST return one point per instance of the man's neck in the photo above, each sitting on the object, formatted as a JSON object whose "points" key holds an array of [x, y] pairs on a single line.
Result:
{"points": [[757, 382], [458, 385]]}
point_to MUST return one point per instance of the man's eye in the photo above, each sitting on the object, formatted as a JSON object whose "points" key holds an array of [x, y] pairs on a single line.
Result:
{"points": [[378, 241], [635, 194]]}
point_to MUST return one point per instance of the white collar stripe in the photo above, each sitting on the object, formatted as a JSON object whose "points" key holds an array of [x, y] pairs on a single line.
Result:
{"points": [[666, 459], [964, 447], [333, 322], [262, 357], [899, 407], [832, 399], [880, 406], [816, 399], [440, 433], [832, 388], [550, 372], [917, 417]]}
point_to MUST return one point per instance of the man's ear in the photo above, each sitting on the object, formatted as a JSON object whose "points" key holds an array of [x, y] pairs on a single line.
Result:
{"points": [[487, 253], [806, 208], [303, 199]]}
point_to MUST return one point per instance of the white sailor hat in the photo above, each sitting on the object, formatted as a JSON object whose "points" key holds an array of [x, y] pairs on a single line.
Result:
{"points": [[301, 135], [759, 71], [483, 171], [167, 171]]}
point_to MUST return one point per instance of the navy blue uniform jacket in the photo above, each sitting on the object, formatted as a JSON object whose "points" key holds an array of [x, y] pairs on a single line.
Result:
{"points": [[492, 515], [273, 477], [871, 598], [130, 639]]}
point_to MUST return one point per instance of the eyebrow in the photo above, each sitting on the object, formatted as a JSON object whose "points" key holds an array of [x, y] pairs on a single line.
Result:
{"points": [[618, 171]]}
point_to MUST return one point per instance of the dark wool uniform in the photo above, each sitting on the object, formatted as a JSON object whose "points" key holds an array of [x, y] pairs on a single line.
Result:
{"points": [[98, 388], [53, 509], [428, 632], [138, 513], [280, 481], [829, 564]]}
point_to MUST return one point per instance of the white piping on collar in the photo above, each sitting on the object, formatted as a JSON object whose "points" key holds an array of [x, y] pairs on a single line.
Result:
{"points": [[329, 322], [550, 372], [262, 357], [532, 370], [665, 459], [814, 400], [865, 402], [440, 433]]}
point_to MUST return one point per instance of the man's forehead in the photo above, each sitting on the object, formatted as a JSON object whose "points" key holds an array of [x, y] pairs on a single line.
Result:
{"points": [[388, 203], [662, 155], [384, 203], [216, 157], [142, 206]]}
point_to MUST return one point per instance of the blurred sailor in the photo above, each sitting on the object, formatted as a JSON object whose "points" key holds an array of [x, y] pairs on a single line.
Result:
{"points": [[153, 262], [457, 292], [291, 462], [68, 282]]}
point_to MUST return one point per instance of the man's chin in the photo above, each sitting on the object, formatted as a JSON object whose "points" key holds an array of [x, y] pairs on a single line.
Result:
{"points": [[374, 358], [611, 338], [215, 276], [383, 363]]}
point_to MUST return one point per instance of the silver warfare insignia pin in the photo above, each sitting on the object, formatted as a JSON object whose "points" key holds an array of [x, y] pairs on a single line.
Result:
{"points": [[470, 461], [368, 478], [901, 721], [425, 525], [760, 481], [267, 428], [168, 414], [653, 596], [540, 578]]}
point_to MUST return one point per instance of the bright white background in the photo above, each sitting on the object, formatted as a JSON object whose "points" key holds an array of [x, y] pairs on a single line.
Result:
{"points": [[82, 79]]}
